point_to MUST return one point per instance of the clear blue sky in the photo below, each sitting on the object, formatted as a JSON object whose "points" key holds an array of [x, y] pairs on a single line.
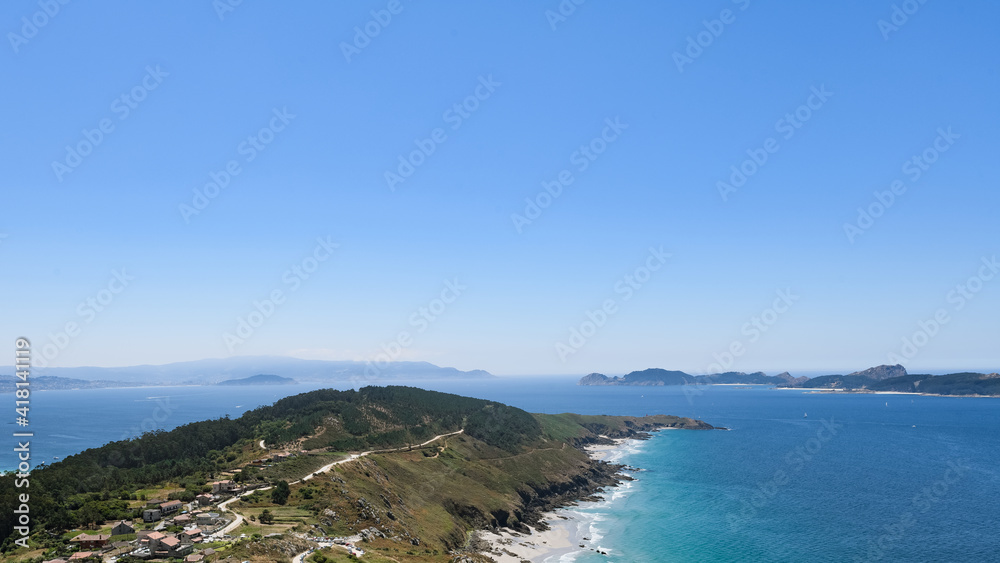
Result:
{"points": [[208, 83]]}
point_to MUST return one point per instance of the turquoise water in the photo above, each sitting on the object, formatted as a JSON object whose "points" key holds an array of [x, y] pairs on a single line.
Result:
{"points": [[886, 478]]}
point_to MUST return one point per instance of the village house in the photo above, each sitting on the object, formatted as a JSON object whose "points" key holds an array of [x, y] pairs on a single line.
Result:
{"points": [[90, 542], [204, 499], [151, 538], [122, 528], [226, 486], [182, 519], [191, 536], [206, 518], [151, 515], [82, 556], [170, 507], [169, 547]]}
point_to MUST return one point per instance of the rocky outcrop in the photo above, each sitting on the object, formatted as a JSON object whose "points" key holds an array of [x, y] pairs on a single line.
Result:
{"points": [[594, 379], [879, 373]]}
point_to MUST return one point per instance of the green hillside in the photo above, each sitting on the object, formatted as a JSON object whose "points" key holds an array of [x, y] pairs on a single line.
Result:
{"points": [[500, 468]]}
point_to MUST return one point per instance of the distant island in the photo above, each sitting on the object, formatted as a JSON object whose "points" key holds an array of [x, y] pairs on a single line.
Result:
{"points": [[884, 378], [213, 371], [656, 376], [260, 379], [895, 379]]}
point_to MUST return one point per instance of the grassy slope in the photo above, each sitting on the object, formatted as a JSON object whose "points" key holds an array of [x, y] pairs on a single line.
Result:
{"points": [[427, 500], [437, 494]]}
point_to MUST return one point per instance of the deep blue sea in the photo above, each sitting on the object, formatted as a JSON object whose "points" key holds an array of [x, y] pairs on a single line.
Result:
{"points": [[862, 478]]}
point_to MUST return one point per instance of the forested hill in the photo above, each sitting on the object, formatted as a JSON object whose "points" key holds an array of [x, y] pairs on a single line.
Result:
{"points": [[954, 384], [372, 417]]}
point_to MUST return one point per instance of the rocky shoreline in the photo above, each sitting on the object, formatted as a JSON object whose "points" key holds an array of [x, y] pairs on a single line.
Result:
{"points": [[542, 532]]}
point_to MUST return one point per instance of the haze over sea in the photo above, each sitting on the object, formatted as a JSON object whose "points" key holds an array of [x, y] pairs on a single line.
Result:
{"points": [[917, 476]]}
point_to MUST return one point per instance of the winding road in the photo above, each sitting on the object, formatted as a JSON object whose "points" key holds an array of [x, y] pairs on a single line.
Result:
{"points": [[224, 506]]}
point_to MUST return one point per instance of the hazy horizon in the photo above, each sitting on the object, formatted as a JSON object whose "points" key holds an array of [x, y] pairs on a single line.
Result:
{"points": [[796, 372]]}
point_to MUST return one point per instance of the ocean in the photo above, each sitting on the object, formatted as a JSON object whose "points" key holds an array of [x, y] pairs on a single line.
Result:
{"points": [[860, 478]]}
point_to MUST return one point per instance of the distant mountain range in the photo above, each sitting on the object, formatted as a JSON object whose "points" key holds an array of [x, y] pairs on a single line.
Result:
{"points": [[656, 376], [262, 379], [212, 371], [895, 379]]}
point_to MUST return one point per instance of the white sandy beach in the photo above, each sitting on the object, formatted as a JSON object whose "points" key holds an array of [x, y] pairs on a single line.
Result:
{"points": [[569, 531]]}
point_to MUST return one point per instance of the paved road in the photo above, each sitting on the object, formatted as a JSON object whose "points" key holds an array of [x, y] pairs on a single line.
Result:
{"points": [[224, 507]]}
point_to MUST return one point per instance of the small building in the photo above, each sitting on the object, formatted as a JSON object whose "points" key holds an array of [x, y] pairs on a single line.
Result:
{"points": [[182, 519], [170, 547], [226, 486], [60, 560], [171, 506], [204, 499], [191, 536], [152, 539], [90, 542], [122, 528], [194, 558], [82, 555], [151, 515], [206, 518]]}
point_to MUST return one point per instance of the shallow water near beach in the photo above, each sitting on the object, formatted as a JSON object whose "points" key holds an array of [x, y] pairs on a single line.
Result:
{"points": [[861, 478]]}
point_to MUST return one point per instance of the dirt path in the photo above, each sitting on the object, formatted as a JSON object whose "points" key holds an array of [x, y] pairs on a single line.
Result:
{"points": [[353, 457], [224, 506]]}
